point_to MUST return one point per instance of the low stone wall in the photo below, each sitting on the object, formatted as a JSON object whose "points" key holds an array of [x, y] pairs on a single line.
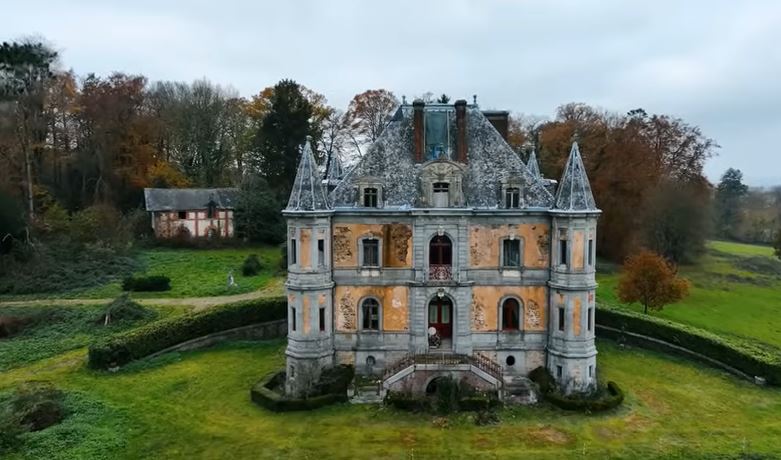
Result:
{"points": [[665, 347], [262, 331]]}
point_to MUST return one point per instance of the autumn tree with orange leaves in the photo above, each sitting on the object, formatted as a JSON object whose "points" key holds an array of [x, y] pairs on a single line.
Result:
{"points": [[647, 278]]}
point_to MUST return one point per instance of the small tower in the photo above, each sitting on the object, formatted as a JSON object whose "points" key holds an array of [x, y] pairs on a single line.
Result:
{"points": [[572, 355], [534, 168], [309, 283]]}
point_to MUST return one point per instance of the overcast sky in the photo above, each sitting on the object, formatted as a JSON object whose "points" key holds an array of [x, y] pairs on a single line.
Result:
{"points": [[716, 64]]}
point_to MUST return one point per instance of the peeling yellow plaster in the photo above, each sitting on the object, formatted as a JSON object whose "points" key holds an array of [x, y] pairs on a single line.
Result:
{"points": [[395, 306], [485, 244], [578, 249], [485, 306], [576, 315], [305, 306], [305, 249], [396, 243]]}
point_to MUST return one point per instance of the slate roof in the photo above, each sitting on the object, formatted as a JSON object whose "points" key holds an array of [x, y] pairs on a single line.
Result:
{"points": [[574, 192], [534, 168], [490, 161], [183, 199], [308, 193]]}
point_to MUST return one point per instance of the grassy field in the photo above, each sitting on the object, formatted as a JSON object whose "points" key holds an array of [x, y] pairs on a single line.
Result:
{"points": [[736, 290], [193, 273], [196, 405]]}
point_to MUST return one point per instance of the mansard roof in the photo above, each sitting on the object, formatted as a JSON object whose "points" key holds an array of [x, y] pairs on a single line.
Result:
{"points": [[308, 193], [491, 163], [185, 199], [532, 165], [574, 192]]}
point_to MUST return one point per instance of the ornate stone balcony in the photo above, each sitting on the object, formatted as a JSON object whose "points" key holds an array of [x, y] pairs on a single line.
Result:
{"points": [[440, 272]]}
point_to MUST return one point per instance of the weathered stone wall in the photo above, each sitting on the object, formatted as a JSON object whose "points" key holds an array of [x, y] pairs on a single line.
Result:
{"points": [[486, 304], [396, 243], [394, 305], [485, 244]]}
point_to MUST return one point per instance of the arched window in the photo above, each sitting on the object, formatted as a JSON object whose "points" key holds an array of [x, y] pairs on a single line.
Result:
{"points": [[370, 310], [511, 315]]}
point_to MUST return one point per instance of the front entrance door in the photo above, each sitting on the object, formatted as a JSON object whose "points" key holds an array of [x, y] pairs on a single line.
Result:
{"points": [[440, 316]]}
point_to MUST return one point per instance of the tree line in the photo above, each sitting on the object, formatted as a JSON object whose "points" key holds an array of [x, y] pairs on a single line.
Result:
{"points": [[69, 143]]}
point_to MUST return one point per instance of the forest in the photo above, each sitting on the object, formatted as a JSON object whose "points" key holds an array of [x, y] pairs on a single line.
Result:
{"points": [[76, 152]]}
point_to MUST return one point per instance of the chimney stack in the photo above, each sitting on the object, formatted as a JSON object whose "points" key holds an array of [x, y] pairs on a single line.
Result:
{"points": [[461, 131], [500, 119], [418, 137]]}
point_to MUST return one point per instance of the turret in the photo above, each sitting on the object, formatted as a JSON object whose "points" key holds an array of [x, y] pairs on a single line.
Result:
{"points": [[309, 283], [571, 349]]}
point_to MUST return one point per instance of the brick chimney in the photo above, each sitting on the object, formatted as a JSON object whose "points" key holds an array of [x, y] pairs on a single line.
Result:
{"points": [[461, 154], [500, 119], [418, 136]]}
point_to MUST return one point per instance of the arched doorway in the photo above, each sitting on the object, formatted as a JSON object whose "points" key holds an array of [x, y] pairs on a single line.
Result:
{"points": [[440, 317], [440, 258]]}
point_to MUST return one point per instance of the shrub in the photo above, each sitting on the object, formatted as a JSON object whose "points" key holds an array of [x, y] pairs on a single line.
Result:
{"points": [[486, 417], [153, 283], [264, 395], [408, 402], [750, 357], [37, 405], [124, 309], [251, 265], [603, 399], [543, 379], [335, 379], [10, 325], [122, 348]]}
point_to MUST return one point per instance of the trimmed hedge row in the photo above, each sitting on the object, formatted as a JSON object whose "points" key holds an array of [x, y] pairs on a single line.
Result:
{"points": [[124, 347], [752, 358], [263, 395], [603, 400], [155, 283]]}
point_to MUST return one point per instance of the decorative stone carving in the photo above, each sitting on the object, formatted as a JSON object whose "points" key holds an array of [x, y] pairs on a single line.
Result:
{"points": [[343, 250], [442, 171], [533, 315], [347, 309], [400, 236]]}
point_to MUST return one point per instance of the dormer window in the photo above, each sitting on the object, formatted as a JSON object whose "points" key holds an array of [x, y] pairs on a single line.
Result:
{"points": [[441, 194], [512, 197], [370, 197]]}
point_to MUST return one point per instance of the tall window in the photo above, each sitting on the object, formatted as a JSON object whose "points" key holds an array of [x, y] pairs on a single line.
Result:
{"points": [[511, 315], [512, 197], [322, 318], [441, 195], [370, 309], [371, 252], [561, 318], [293, 318], [370, 195], [511, 253], [590, 252], [293, 252], [321, 252], [562, 252], [559, 373], [590, 319]]}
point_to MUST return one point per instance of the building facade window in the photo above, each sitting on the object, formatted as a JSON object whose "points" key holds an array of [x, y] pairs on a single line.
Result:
{"points": [[512, 197], [321, 252], [370, 197], [322, 319], [371, 252], [561, 318], [562, 252], [293, 252], [511, 315], [370, 310], [590, 254], [293, 319], [440, 194], [183, 214], [511, 253], [590, 319], [559, 373]]}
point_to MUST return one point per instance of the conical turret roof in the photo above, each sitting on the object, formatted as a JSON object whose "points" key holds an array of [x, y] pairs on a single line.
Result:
{"points": [[308, 193], [574, 192], [534, 168]]}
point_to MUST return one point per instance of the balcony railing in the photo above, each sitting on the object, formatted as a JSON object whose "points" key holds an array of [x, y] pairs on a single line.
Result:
{"points": [[440, 272]]}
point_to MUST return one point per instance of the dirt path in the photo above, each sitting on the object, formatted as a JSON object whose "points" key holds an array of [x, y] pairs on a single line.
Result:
{"points": [[274, 287]]}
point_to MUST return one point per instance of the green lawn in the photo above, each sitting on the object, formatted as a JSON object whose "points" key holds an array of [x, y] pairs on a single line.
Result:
{"points": [[193, 273], [196, 405], [736, 290]]}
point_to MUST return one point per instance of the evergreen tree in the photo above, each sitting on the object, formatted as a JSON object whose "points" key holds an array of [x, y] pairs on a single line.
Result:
{"points": [[729, 195], [278, 140]]}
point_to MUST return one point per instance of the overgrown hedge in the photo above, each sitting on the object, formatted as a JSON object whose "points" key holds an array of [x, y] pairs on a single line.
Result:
{"points": [[752, 358], [154, 283], [264, 395], [601, 400], [417, 403], [122, 348]]}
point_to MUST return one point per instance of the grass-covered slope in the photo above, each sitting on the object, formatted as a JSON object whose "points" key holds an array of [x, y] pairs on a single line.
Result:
{"points": [[196, 405], [736, 290]]}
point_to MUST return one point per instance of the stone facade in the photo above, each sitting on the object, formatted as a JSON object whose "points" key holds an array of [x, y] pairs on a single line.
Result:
{"points": [[442, 227]]}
